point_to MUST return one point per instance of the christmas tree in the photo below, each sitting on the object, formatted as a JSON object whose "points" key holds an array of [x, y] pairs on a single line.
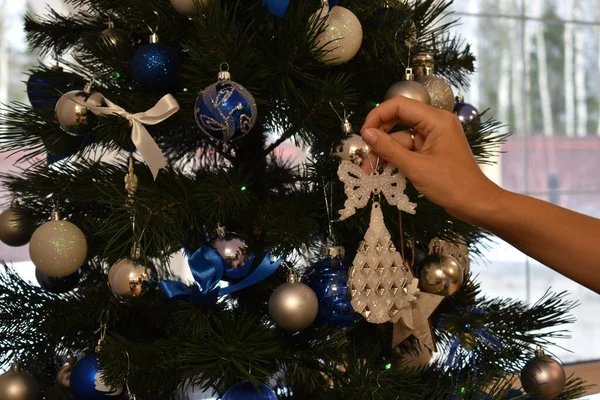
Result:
{"points": [[196, 99]]}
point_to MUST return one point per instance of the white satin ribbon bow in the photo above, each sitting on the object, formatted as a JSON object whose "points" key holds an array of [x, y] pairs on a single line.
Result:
{"points": [[140, 136]]}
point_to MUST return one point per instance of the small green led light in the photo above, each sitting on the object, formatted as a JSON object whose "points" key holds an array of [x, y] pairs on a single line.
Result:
{"points": [[244, 188], [388, 366]]}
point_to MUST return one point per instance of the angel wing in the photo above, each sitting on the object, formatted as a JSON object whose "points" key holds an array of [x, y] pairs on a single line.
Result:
{"points": [[359, 186]]}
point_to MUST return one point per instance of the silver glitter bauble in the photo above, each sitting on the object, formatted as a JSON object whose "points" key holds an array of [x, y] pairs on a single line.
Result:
{"points": [[73, 114], [293, 306], [233, 248], [58, 248], [114, 36], [187, 7], [63, 376], [440, 274], [543, 377], [12, 230], [128, 278], [18, 385], [353, 149], [342, 36], [411, 89], [439, 91]]}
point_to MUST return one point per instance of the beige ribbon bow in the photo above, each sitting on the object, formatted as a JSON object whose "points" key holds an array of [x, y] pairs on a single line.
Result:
{"points": [[140, 136]]}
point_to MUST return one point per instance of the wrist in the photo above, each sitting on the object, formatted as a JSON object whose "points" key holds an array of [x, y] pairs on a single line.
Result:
{"points": [[484, 203]]}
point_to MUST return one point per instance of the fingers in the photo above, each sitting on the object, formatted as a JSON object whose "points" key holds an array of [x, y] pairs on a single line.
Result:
{"points": [[401, 109], [408, 140], [387, 147]]}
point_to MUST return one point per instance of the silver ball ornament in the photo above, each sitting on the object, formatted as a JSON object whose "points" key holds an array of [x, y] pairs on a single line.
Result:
{"points": [[18, 385], [233, 248], [73, 113], [342, 36], [439, 91], [12, 230], [128, 278], [353, 149], [543, 377], [187, 7], [411, 89], [63, 376], [293, 306], [440, 274], [58, 248]]}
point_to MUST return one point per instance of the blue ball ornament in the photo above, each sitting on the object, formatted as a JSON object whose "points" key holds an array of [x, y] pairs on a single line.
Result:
{"points": [[246, 391], [45, 87], [465, 111], [156, 66], [86, 381], [328, 278], [225, 110]]}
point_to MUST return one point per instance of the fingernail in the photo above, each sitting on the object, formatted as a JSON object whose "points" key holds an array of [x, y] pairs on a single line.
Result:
{"points": [[370, 136]]}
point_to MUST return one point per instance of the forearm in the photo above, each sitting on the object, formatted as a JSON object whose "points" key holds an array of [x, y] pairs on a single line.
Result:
{"points": [[563, 240]]}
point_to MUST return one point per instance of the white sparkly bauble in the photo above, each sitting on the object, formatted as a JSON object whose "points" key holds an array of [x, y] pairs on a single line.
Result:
{"points": [[187, 7], [353, 149], [58, 248], [439, 91], [342, 37], [411, 89], [293, 306], [129, 278]]}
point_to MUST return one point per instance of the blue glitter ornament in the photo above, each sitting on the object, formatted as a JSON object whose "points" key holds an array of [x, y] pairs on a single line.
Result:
{"points": [[328, 278], [225, 110], [87, 383], [245, 391], [155, 65]]}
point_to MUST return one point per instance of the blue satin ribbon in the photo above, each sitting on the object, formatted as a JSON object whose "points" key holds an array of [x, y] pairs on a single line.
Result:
{"points": [[279, 7], [208, 269], [483, 334]]}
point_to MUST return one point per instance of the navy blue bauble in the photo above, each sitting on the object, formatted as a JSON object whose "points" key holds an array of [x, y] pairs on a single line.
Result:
{"points": [[225, 110], [44, 88], [466, 112], [156, 66], [245, 391], [57, 285], [328, 278], [87, 383]]}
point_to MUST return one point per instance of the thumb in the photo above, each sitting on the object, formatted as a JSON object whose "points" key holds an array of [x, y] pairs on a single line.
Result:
{"points": [[386, 147]]}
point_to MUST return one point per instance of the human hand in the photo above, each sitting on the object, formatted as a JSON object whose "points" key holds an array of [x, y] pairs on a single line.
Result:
{"points": [[441, 164]]}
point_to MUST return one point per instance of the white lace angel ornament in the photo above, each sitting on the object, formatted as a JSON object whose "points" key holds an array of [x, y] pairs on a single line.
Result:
{"points": [[381, 286]]}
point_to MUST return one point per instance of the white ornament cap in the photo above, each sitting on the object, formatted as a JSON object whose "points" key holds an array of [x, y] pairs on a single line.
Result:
{"points": [[408, 75]]}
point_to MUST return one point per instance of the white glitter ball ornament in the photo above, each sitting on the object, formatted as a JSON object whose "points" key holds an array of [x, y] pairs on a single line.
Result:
{"points": [[342, 37], [58, 248]]}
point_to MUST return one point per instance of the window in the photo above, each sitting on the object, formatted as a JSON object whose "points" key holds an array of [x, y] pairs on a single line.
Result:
{"points": [[538, 67]]}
